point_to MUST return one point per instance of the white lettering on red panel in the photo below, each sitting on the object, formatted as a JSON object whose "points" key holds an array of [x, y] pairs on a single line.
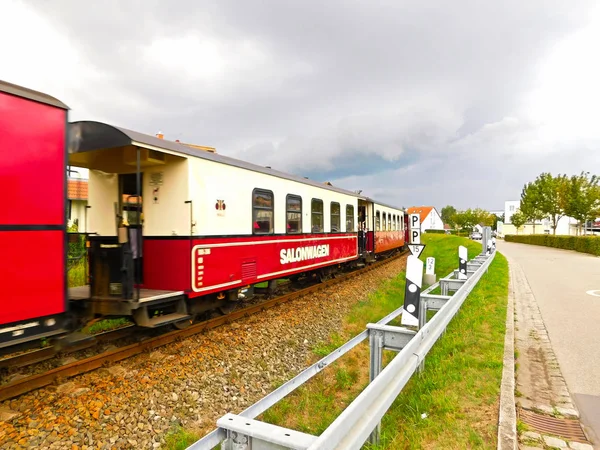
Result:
{"points": [[291, 255], [198, 254]]}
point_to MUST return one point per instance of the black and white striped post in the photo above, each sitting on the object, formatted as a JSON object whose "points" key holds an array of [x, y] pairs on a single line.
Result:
{"points": [[412, 291], [463, 256]]}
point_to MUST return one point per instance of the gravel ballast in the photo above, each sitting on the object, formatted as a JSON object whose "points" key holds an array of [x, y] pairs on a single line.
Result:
{"points": [[191, 383]]}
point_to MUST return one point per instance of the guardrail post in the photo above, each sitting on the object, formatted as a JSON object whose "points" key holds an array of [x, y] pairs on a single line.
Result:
{"points": [[376, 353], [422, 323]]}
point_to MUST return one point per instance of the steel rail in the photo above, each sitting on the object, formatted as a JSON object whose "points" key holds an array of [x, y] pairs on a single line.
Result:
{"points": [[25, 385], [44, 354]]}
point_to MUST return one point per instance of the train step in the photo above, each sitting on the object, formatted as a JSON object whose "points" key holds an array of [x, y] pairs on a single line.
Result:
{"points": [[165, 320], [144, 318]]}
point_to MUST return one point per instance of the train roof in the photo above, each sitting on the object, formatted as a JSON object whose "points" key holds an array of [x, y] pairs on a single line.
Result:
{"points": [[87, 135], [90, 135], [30, 94]]}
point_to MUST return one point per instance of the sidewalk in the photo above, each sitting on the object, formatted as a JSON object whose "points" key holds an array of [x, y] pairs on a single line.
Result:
{"points": [[546, 416]]}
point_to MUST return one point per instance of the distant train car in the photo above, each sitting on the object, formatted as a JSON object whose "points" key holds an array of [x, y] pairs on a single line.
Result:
{"points": [[32, 217]]}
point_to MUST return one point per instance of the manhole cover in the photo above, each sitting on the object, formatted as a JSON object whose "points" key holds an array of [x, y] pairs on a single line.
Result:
{"points": [[566, 428]]}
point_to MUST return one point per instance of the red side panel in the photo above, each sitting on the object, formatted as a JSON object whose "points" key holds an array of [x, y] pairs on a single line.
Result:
{"points": [[32, 274], [388, 240], [32, 216], [167, 264], [32, 162], [209, 265]]}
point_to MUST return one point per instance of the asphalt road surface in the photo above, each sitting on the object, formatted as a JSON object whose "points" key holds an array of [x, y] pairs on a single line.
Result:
{"points": [[560, 280]]}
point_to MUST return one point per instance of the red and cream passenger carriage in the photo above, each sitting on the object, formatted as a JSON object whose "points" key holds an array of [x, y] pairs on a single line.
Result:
{"points": [[183, 230], [173, 230]]}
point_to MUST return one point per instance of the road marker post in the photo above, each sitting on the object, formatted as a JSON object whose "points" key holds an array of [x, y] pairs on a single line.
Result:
{"points": [[430, 277], [463, 256], [412, 291]]}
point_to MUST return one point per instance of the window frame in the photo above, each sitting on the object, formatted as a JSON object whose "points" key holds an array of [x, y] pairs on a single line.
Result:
{"points": [[288, 211], [262, 208], [339, 216], [377, 220], [312, 215], [351, 230]]}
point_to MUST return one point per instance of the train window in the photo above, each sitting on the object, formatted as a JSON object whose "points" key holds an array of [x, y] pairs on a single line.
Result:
{"points": [[317, 216], [293, 205], [393, 227], [349, 218], [262, 211], [378, 221], [384, 222], [335, 218]]}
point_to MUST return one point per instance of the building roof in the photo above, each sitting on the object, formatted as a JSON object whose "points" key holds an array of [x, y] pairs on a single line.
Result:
{"points": [[77, 189], [423, 211]]}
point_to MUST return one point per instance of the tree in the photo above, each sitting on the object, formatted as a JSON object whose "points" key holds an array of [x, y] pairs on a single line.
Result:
{"points": [[448, 213], [518, 219], [583, 197], [460, 220], [531, 204], [552, 196]]}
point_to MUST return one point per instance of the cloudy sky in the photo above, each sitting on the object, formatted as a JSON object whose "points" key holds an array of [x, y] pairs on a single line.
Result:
{"points": [[413, 102]]}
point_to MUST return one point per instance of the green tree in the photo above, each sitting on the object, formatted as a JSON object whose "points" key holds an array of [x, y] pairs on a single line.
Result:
{"points": [[460, 220], [469, 219], [553, 194], [518, 219], [448, 213], [583, 198], [531, 204]]}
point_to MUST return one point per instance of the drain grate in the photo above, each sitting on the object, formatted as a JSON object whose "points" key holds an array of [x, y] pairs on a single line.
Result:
{"points": [[566, 428]]}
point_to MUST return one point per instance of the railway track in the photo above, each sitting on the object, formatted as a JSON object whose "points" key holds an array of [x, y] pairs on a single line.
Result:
{"points": [[30, 383]]}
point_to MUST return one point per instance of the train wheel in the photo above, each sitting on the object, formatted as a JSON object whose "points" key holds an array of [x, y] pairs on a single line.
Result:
{"points": [[226, 308]]}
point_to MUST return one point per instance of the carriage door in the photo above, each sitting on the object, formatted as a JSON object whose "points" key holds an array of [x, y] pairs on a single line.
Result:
{"points": [[132, 222]]}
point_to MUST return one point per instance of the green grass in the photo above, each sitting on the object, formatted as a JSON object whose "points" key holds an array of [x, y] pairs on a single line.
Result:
{"points": [[459, 389], [107, 325], [76, 275], [180, 439]]}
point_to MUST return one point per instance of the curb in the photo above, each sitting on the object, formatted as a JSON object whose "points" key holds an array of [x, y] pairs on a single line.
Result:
{"points": [[507, 420]]}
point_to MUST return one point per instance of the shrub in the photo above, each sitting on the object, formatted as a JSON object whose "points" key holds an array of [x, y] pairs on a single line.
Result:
{"points": [[583, 244], [435, 231]]}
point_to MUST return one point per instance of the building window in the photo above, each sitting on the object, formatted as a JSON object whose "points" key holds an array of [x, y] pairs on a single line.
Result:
{"points": [[511, 208], [335, 217], [349, 218], [262, 211], [378, 221], [317, 215], [294, 214]]}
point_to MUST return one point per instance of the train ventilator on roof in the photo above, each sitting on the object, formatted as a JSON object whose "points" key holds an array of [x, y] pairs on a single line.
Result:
{"points": [[160, 135]]}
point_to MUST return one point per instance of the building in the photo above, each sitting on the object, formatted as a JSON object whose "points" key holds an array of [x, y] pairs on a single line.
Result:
{"points": [[430, 217], [77, 200], [566, 225]]}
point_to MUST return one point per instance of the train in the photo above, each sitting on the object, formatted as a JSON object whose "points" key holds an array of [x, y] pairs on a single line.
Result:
{"points": [[171, 230]]}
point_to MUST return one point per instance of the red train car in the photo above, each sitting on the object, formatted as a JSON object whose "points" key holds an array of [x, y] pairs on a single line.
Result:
{"points": [[32, 218]]}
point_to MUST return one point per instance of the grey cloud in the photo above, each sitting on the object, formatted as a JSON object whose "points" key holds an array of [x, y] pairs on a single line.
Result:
{"points": [[354, 92]]}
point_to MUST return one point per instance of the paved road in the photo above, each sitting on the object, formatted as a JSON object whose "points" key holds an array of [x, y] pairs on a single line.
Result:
{"points": [[559, 280]]}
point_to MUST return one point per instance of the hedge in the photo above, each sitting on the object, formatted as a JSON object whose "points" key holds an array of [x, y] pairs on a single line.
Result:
{"points": [[583, 244], [435, 231]]}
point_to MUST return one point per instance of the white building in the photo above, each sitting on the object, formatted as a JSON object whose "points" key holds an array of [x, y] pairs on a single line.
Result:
{"points": [[566, 225], [430, 218]]}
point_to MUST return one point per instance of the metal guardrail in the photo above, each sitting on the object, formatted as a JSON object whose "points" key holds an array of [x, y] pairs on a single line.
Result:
{"points": [[360, 421]]}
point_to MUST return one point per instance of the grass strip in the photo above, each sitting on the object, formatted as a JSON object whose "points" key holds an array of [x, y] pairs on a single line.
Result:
{"points": [[454, 402]]}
